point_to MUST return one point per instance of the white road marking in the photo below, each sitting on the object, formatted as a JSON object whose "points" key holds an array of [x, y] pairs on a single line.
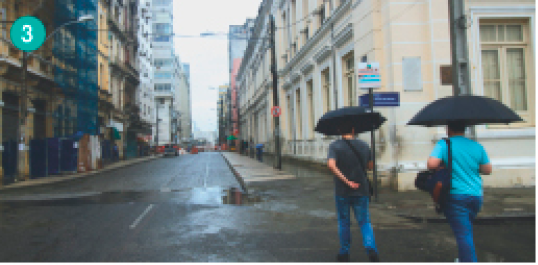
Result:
{"points": [[133, 226]]}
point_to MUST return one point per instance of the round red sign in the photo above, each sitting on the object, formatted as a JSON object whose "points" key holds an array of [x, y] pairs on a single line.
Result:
{"points": [[276, 111]]}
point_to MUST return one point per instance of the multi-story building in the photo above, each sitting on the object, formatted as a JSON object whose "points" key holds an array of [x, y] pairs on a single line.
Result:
{"points": [[238, 36], [83, 80], [123, 25], [40, 83], [234, 113], [62, 90], [237, 43], [163, 76], [183, 105], [145, 96], [253, 81], [320, 43], [223, 113], [186, 121], [105, 93]]}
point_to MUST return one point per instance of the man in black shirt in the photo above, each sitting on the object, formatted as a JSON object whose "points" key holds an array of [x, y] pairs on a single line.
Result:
{"points": [[352, 191]]}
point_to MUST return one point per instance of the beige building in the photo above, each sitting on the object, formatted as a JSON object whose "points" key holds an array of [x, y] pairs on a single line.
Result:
{"points": [[320, 43]]}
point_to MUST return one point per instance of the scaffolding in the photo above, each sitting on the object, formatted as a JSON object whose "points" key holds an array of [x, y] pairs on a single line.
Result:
{"points": [[75, 68]]}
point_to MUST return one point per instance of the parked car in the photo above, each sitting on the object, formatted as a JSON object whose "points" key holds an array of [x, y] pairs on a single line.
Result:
{"points": [[170, 149]]}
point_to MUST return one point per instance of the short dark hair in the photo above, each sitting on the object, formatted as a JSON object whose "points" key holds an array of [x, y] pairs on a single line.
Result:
{"points": [[457, 126]]}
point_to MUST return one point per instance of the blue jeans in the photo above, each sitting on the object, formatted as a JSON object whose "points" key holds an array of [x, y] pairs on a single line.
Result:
{"points": [[360, 208], [460, 211]]}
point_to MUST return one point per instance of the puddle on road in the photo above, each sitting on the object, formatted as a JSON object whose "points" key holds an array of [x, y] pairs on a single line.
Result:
{"points": [[205, 196]]}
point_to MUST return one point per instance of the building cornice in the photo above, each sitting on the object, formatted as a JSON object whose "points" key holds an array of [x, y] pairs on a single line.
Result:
{"points": [[322, 54], [295, 77], [307, 67], [343, 36], [286, 85], [339, 12]]}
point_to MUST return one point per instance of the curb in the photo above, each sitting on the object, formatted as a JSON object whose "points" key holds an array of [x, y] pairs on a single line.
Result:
{"points": [[58, 179], [236, 174], [489, 219]]}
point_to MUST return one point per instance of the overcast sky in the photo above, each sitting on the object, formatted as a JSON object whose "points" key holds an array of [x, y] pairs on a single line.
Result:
{"points": [[208, 56]]}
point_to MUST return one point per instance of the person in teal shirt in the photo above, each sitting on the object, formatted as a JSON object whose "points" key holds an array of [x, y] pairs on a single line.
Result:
{"points": [[469, 160]]}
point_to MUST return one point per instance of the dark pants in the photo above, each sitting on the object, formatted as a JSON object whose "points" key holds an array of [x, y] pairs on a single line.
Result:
{"points": [[362, 215], [460, 211]]}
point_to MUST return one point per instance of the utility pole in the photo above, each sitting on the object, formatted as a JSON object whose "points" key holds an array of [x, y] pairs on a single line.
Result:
{"points": [[372, 135], [461, 73], [21, 130], [278, 155]]}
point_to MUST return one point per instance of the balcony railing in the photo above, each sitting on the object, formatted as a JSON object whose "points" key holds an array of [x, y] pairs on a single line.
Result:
{"points": [[116, 25]]}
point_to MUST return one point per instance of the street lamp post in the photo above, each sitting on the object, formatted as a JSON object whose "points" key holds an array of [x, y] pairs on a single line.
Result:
{"points": [[21, 129], [275, 94]]}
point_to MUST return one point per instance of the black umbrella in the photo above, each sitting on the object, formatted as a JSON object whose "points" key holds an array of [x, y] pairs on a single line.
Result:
{"points": [[340, 121], [470, 110]]}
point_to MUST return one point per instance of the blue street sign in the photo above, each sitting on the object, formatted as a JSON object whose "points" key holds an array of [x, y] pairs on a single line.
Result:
{"points": [[381, 99]]}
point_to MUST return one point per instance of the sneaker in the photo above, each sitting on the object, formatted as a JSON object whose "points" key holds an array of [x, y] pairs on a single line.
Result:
{"points": [[342, 258], [373, 256]]}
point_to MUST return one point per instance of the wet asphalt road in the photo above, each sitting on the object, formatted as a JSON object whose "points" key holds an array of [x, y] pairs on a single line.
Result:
{"points": [[175, 210]]}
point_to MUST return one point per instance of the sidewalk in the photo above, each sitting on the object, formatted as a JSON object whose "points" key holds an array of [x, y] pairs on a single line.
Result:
{"points": [[248, 170], [314, 193], [55, 179]]}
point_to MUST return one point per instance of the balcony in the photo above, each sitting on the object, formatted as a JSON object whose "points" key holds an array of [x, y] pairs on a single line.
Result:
{"points": [[124, 67], [132, 32], [105, 99], [116, 25]]}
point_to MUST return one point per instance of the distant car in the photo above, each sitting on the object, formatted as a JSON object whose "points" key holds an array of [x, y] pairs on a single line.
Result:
{"points": [[170, 149]]}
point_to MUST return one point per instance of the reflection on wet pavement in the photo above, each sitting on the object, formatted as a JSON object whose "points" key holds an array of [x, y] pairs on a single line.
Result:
{"points": [[206, 196]]}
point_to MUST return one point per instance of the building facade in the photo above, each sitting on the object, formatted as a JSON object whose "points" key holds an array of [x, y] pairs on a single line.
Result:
{"points": [[163, 76], [123, 22], [145, 97], [183, 106], [234, 114], [223, 114], [320, 43], [237, 43]]}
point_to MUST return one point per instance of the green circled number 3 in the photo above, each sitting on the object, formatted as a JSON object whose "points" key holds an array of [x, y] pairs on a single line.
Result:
{"points": [[28, 30]]}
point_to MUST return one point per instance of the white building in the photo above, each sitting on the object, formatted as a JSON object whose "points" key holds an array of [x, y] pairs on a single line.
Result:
{"points": [[183, 101], [145, 92], [163, 62], [319, 44]]}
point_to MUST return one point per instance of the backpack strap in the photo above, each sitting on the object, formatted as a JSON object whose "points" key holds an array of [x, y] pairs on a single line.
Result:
{"points": [[449, 166], [446, 191], [356, 154]]}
